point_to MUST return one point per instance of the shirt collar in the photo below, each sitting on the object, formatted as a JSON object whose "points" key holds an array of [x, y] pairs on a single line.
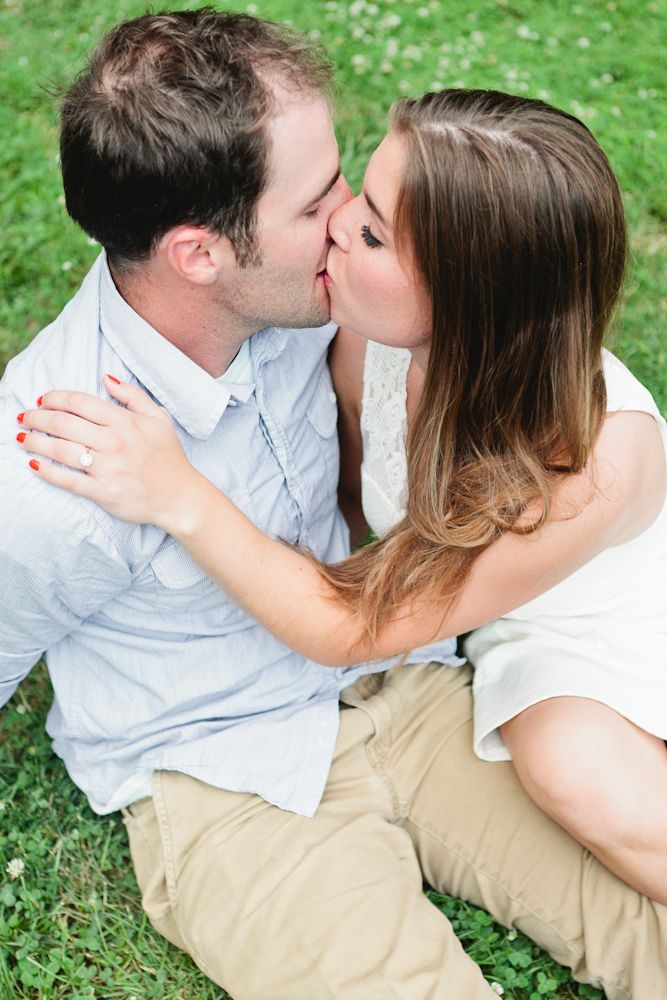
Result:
{"points": [[193, 397]]}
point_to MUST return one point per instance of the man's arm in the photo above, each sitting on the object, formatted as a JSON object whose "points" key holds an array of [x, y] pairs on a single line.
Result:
{"points": [[58, 567], [346, 360]]}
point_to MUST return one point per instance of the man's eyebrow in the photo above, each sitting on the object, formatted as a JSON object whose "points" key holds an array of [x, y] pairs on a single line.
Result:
{"points": [[376, 211], [325, 190]]}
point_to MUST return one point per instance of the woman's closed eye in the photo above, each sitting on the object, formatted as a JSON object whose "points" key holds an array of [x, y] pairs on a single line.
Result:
{"points": [[368, 237]]}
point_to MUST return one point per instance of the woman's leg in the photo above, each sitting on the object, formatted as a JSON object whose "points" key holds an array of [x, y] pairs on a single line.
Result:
{"points": [[600, 777]]}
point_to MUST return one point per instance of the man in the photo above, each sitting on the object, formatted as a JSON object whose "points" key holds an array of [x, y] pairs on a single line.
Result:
{"points": [[278, 837]]}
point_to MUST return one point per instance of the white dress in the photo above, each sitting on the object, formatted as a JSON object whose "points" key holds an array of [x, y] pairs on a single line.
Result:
{"points": [[600, 634]]}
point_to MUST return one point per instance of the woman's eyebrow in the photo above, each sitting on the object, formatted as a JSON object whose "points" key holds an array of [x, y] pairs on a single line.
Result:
{"points": [[376, 211]]}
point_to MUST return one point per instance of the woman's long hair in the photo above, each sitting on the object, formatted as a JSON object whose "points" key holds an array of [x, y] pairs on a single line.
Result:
{"points": [[515, 223]]}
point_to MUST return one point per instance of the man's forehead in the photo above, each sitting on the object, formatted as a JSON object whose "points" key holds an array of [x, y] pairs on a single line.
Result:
{"points": [[302, 150]]}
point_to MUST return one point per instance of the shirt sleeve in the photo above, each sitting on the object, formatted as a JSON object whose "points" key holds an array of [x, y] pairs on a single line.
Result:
{"points": [[58, 567]]}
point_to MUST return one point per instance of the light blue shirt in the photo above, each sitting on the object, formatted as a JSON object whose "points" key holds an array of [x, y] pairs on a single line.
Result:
{"points": [[152, 665]]}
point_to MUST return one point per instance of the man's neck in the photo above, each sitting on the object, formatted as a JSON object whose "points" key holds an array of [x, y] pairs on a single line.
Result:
{"points": [[182, 316]]}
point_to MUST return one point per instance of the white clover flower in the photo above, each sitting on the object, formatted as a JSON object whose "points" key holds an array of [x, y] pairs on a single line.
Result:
{"points": [[404, 86], [61, 199], [552, 42], [478, 38], [423, 12], [523, 31], [386, 66], [251, 8], [356, 8], [391, 21], [581, 111], [357, 32], [392, 47], [577, 9], [65, 266], [651, 133], [436, 86], [465, 64], [605, 26], [412, 52], [543, 96], [616, 112], [15, 868], [606, 78], [583, 43], [497, 988]]}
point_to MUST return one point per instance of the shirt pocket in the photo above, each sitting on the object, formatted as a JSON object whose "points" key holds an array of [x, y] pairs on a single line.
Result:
{"points": [[322, 412], [322, 419], [184, 592]]}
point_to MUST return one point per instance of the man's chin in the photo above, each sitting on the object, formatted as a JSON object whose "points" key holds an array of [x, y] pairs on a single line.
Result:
{"points": [[314, 318]]}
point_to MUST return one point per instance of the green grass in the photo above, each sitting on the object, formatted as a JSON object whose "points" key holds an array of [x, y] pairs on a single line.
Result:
{"points": [[71, 925]]}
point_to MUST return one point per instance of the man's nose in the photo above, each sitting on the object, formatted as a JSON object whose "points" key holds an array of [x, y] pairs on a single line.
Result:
{"points": [[345, 190]]}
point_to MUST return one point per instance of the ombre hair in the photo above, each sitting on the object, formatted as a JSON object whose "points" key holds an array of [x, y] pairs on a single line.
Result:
{"points": [[514, 221]]}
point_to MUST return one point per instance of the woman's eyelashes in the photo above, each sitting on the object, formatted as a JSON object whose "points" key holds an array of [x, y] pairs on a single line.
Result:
{"points": [[368, 237]]}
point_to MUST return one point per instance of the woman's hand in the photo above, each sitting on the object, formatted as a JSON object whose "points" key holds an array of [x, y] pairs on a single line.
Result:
{"points": [[129, 461]]}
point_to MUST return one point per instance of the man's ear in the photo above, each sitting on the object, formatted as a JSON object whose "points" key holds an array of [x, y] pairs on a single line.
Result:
{"points": [[197, 254]]}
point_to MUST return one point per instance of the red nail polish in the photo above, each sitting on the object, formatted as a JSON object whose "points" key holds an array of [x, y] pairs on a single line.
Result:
{"points": [[20, 417], [39, 401], [21, 437], [113, 378], [34, 464]]}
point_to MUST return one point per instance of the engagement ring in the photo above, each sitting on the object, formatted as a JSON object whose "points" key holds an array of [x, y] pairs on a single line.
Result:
{"points": [[86, 459]]}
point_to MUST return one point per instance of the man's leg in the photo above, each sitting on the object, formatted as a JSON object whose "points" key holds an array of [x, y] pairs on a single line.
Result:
{"points": [[479, 836], [270, 904]]}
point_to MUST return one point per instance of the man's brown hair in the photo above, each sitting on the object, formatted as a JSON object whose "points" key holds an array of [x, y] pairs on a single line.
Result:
{"points": [[167, 125]]}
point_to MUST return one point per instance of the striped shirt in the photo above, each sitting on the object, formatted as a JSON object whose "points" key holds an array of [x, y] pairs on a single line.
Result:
{"points": [[152, 665]]}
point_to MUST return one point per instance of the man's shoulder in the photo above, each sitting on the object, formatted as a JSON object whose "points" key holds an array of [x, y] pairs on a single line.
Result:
{"points": [[64, 354]]}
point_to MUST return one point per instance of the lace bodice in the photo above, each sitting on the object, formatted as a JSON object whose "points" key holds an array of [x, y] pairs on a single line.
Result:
{"points": [[383, 429]]}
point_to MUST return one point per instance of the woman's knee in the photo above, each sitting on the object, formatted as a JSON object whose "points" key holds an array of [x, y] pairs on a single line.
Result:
{"points": [[564, 762]]}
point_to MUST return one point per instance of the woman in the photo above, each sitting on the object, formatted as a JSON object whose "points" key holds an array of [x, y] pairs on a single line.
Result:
{"points": [[488, 241]]}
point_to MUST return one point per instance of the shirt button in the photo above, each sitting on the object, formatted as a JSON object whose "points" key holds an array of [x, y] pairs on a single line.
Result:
{"points": [[332, 397]]}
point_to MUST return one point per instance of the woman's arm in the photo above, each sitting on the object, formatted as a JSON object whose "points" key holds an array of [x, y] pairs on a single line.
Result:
{"points": [[346, 360], [140, 473]]}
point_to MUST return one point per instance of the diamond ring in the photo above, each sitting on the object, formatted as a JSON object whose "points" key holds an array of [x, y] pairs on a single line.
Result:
{"points": [[86, 459]]}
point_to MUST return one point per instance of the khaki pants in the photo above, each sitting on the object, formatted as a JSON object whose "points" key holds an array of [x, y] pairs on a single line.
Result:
{"points": [[273, 906]]}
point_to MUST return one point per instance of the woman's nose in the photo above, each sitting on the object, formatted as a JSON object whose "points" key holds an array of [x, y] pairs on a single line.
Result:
{"points": [[340, 224]]}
